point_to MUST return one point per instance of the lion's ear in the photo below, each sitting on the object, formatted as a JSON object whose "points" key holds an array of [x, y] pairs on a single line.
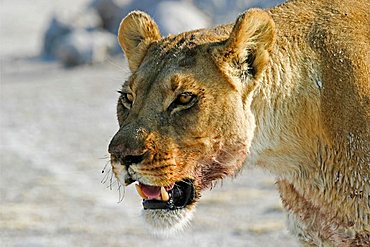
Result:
{"points": [[136, 31], [248, 46]]}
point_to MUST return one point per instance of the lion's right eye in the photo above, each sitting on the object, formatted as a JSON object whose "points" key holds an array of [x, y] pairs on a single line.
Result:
{"points": [[183, 101], [127, 99], [184, 98]]}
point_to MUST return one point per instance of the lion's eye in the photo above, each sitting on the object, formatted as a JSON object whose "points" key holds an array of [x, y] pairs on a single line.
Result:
{"points": [[184, 98], [182, 102], [127, 99]]}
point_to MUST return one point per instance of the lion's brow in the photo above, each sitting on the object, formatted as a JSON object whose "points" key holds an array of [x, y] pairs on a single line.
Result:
{"points": [[175, 82]]}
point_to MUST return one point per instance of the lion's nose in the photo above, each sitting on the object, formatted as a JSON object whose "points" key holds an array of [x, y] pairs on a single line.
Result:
{"points": [[128, 145], [127, 152], [126, 157], [132, 159]]}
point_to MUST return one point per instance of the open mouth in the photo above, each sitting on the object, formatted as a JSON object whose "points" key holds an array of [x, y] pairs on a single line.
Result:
{"points": [[174, 196]]}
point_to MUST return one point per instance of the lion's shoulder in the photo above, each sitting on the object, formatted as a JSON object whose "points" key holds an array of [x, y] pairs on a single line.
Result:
{"points": [[335, 35]]}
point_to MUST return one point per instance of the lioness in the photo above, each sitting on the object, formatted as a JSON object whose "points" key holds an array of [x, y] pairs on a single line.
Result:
{"points": [[286, 89]]}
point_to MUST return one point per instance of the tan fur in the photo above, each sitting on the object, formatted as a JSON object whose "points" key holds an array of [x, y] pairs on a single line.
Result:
{"points": [[285, 89]]}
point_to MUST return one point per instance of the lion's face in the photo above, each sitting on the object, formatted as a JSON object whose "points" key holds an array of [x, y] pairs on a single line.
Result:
{"points": [[183, 123]]}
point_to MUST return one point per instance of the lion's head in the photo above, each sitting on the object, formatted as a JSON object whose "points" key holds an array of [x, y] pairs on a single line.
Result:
{"points": [[184, 113]]}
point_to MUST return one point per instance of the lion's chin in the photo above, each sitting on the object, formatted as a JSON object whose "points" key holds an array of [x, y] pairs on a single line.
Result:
{"points": [[165, 222]]}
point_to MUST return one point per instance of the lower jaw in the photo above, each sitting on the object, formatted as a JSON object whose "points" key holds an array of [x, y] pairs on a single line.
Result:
{"points": [[166, 221]]}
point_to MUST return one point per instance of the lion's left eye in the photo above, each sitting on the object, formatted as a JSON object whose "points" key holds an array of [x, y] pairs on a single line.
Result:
{"points": [[184, 99], [127, 99]]}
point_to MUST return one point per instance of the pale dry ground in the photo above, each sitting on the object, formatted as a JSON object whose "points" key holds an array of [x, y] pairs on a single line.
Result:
{"points": [[55, 125]]}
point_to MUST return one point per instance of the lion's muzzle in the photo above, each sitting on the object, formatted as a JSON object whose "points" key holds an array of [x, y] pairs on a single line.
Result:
{"points": [[135, 161]]}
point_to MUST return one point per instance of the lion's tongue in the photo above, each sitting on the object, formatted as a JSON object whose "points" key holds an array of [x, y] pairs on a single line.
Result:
{"points": [[151, 192]]}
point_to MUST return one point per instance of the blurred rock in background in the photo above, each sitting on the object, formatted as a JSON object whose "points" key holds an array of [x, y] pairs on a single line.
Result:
{"points": [[81, 47], [90, 37], [80, 39], [172, 16], [224, 11]]}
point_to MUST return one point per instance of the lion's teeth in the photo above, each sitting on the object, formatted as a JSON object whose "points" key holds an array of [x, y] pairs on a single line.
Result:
{"points": [[164, 194], [140, 192]]}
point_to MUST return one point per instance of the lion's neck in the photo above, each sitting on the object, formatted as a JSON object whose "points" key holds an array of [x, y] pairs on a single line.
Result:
{"points": [[285, 107], [290, 140]]}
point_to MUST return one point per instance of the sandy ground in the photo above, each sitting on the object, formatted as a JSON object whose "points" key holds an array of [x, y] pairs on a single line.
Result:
{"points": [[55, 125]]}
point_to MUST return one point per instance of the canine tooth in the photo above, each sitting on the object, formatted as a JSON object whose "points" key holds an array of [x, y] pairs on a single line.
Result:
{"points": [[140, 192], [164, 194]]}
